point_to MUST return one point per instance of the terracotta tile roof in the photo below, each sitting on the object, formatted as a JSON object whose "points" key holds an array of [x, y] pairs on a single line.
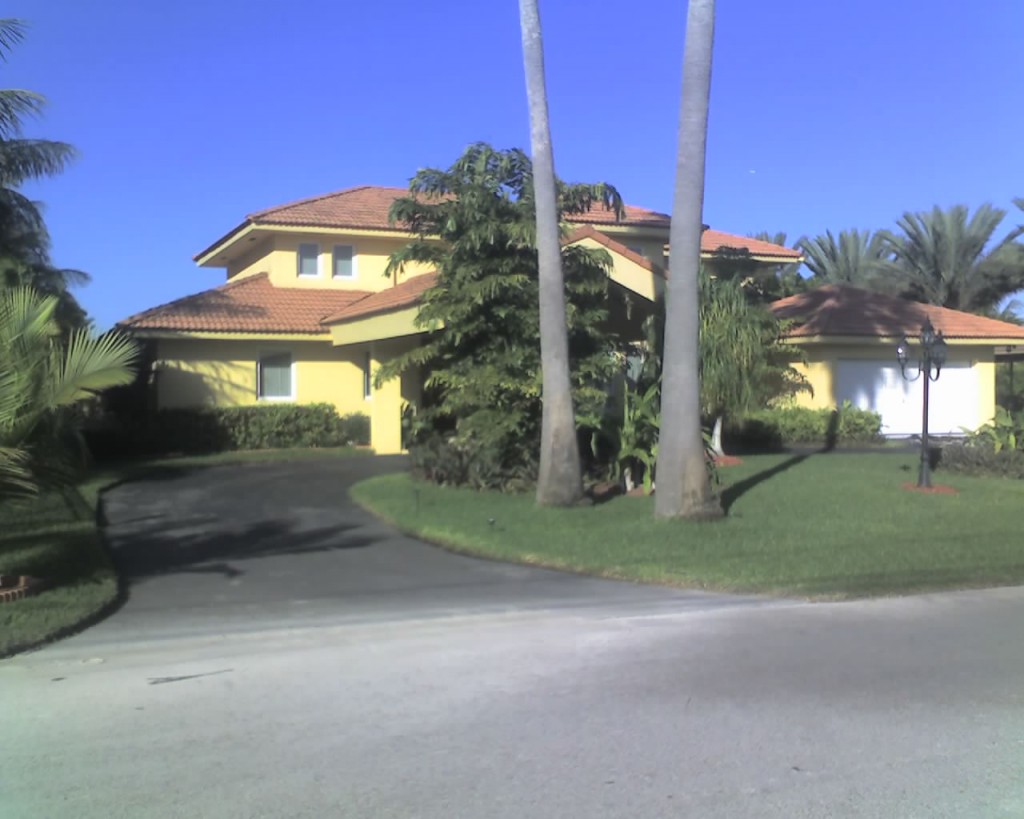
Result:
{"points": [[714, 241], [406, 294], [249, 305], [839, 310], [366, 208], [600, 215], [589, 232], [363, 207]]}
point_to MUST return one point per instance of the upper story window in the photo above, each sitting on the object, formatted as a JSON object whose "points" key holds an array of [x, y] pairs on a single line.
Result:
{"points": [[343, 262], [274, 379], [637, 249], [309, 259]]}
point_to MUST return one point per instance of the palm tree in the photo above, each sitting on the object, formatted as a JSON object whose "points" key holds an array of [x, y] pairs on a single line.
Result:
{"points": [[683, 485], [41, 378], [24, 241], [560, 479], [944, 258], [858, 258]]}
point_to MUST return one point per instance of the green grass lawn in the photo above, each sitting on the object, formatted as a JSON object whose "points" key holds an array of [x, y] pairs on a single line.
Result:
{"points": [[825, 526], [57, 536], [53, 536]]}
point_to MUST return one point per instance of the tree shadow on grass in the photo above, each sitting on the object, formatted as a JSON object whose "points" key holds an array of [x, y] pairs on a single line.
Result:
{"points": [[735, 491]]}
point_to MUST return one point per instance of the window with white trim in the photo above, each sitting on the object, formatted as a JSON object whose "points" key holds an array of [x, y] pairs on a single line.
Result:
{"points": [[343, 263], [367, 376], [309, 259], [274, 378]]}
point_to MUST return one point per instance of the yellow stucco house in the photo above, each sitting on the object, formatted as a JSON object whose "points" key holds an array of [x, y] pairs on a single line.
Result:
{"points": [[849, 338], [307, 314]]}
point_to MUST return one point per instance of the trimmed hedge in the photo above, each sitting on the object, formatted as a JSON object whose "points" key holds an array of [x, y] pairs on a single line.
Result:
{"points": [[980, 459], [206, 430], [773, 429]]}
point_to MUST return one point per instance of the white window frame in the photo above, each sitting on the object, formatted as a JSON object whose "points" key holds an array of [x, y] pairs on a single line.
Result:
{"points": [[298, 260], [334, 251], [291, 376]]}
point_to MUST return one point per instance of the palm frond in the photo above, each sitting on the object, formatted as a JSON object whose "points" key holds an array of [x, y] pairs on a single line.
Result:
{"points": [[25, 159]]}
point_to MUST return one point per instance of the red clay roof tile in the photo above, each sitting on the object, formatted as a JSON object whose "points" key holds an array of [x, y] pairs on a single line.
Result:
{"points": [[840, 310], [406, 294], [366, 208], [249, 305]]}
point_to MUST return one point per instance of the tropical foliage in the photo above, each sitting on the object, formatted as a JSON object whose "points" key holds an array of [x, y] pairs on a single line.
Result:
{"points": [[855, 257], [743, 363], [951, 257], [42, 378], [24, 241], [483, 369]]}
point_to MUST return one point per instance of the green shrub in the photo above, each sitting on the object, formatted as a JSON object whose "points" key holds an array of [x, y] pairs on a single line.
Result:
{"points": [[355, 429], [773, 429], [451, 461], [1004, 431], [223, 429], [981, 459]]}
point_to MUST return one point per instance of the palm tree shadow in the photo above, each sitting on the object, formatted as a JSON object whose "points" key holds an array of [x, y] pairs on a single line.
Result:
{"points": [[737, 490]]}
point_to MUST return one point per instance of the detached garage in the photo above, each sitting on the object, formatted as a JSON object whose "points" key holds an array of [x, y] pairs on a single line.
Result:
{"points": [[849, 337]]}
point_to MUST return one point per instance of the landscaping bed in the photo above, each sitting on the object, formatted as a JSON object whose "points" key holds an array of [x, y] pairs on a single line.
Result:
{"points": [[820, 526]]}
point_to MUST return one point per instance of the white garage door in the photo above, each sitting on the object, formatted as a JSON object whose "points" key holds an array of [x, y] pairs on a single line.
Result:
{"points": [[879, 386]]}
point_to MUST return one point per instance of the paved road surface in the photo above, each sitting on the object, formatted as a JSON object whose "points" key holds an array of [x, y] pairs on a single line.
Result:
{"points": [[318, 672]]}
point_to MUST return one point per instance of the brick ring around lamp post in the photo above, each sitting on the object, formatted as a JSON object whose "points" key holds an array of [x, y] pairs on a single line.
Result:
{"points": [[929, 364]]}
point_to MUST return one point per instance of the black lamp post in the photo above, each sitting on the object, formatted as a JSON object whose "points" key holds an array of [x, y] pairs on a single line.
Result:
{"points": [[929, 364]]}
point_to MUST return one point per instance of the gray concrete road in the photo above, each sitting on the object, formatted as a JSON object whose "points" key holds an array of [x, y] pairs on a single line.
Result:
{"points": [[574, 699]]}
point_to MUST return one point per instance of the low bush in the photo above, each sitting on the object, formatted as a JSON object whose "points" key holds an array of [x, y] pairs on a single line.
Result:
{"points": [[208, 430], [981, 459], [772, 429], [450, 461]]}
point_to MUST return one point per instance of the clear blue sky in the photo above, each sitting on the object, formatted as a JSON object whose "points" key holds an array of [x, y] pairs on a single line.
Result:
{"points": [[189, 115]]}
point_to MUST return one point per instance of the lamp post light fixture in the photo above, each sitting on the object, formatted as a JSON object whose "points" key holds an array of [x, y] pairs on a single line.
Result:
{"points": [[929, 364]]}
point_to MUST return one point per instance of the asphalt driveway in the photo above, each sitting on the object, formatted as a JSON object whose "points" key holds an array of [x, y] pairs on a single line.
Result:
{"points": [[283, 654], [257, 546]]}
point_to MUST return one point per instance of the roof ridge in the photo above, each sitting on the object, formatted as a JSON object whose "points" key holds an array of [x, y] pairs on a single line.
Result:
{"points": [[318, 198]]}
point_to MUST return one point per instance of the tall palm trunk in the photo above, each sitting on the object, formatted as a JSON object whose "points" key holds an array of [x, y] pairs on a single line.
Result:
{"points": [[559, 482], [683, 486]]}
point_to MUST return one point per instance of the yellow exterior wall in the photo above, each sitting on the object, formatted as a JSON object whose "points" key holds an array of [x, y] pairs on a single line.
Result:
{"points": [[388, 401], [216, 373], [821, 366], [222, 373], [628, 273], [278, 255]]}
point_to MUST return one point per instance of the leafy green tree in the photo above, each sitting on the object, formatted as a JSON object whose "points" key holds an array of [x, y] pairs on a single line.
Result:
{"points": [[24, 241], [743, 364], [42, 377], [560, 481], [858, 258], [475, 223], [944, 257], [780, 281], [684, 487]]}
